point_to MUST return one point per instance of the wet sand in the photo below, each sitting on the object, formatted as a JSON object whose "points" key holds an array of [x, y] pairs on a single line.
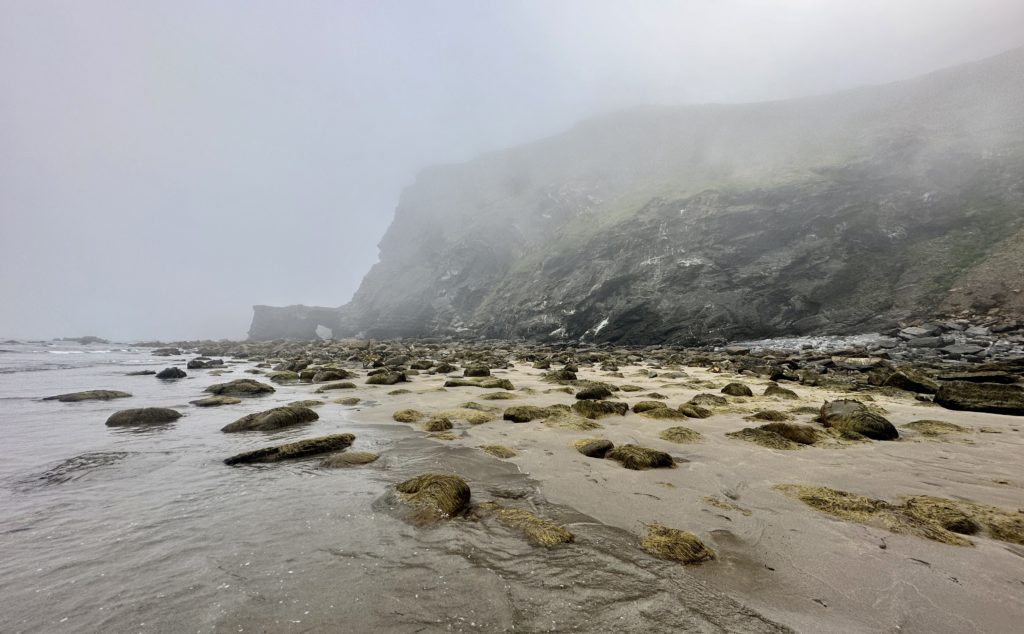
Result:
{"points": [[797, 566]]}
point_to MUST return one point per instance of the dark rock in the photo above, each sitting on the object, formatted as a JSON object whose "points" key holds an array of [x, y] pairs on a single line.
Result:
{"points": [[598, 409], [477, 371], [638, 458], [386, 378], [996, 398], [216, 401], [272, 419], [141, 373], [911, 381], [737, 389], [294, 450], [331, 374], [993, 376], [594, 447], [853, 416], [143, 416], [776, 390], [240, 387], [171, 373], [201, 363], [593, 392], [90, 395]]}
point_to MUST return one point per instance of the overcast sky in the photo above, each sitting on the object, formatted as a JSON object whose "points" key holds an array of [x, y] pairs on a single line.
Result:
{"points": [[164, 165]]}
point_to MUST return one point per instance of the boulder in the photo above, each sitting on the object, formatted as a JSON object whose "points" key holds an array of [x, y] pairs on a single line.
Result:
{"points": [[594, 447], [995, 398], [598, 409], [143, 416], [737, 389], [294, 450], [140, 373], [272, 419], [437, 494], [216, 401], [171, 373], [774, 389], [386, 378], [476, 371], [200, 363], [90, 395], [639, 458], [240, 387], [331, 374], [853, 416], [911, 381], [593, 392]]}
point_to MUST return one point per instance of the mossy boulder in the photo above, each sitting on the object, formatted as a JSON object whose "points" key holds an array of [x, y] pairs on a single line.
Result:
{"points": [[646, 406], [476, 371], [339, 385], [487, 383], [935, 428], [639, 458], [681, 435], [594, 447], [764, 437], [408, 416], [497, 396], [769, 415], [599, 409], [777, 391], [563, 375], [331, 374], [283, 377], [694, 411], [436, 494], [593, 392], [240, 387], [848, 415], [676, 545], [143, 416], [540, 531], [995, 398], [346, 459], [525, 413], [708, 400], [386, 378], [272, 419], [438, 423], [631, 388], [911, 381], [89, 395], [737, 389], [499, 451], [294, 450], [664, 413], [216, 401]]}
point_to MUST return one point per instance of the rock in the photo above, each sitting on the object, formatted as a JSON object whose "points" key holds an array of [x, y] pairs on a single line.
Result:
{"points": [[644, 406], [216, 401], [598, 409], [240, 387], [143, 416], [594, 447], [694, 411], [439, 495], [171, 373], [294, 450], [639, 458], [272, 419], [386, 378], [340, 385], [681, 435], [166, 352], [331, 374], [676, 545], [408, 416], [995, 398], [476, 371], [349, 459], [800, 434], [935, 428], [764, 437], [90, 395], [853, 416], [736, 350], [768, 414], [993, 376], [963, 349], [438, 423], [664, 413], [708, 400], [737, 389], [563, 375], [911, 381], [928, 342], [916, 332], [489, 383], [594, 392], [778, 391], [525, 413], [201, 363], [540, 531], [499, 451], [445, 368], [283, 377], [140, 373], [857, 363]]}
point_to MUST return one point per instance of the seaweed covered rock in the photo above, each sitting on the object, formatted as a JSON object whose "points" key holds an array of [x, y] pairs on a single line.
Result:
{"points": [[768, 414], [346, 459], [847, 415], [935, 427], [681, 435], [143, 416], [599, 409], [800, 434], [169, 374], [476, 371], [327, 375], [694, 411], [708, 400], [282, 377], [408, 416], [646, 406], [676, 545], [911, 381], [294, 450], [995, 398], [240, 387], [538, 530], [764, 437], [437, 494], [499, 451], [340, 385], [664, 413], [593, 392], [386, 378], [639, 458], [487, 383], [525, 413], [594, 447], [203, 363], [90, 395], [776, 390], [563, 375], [216, 401], [438, 423], [272, 419], [737, 389]]}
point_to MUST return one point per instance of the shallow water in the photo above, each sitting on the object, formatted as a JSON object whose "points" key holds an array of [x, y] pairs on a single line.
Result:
{"points": [[120, 530]]}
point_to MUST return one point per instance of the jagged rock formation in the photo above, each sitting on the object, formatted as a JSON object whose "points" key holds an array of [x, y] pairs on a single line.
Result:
{"points": [[832, 214]]}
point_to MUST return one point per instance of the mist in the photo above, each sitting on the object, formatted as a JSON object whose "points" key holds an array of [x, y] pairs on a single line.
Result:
{"points": [[166, 165]]}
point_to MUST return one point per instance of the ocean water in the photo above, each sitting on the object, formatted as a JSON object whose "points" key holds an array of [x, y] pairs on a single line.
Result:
{"points": [[121, 530]]}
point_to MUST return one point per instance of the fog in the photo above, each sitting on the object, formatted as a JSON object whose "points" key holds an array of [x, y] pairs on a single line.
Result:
{"points": [[165, 165]]}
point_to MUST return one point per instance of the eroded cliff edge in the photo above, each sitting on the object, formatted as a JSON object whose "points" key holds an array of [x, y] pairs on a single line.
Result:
{"points": [[835, 214]]}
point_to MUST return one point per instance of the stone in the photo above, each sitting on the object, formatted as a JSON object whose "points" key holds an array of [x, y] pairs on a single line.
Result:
{"points": [[143, 416]]}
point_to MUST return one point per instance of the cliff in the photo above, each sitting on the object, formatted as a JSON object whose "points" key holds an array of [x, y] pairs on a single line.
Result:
{"points": [[832, 214]]}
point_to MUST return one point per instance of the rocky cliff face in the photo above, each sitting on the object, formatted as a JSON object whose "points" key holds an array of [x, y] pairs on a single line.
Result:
{"points": [[833, 214]]}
